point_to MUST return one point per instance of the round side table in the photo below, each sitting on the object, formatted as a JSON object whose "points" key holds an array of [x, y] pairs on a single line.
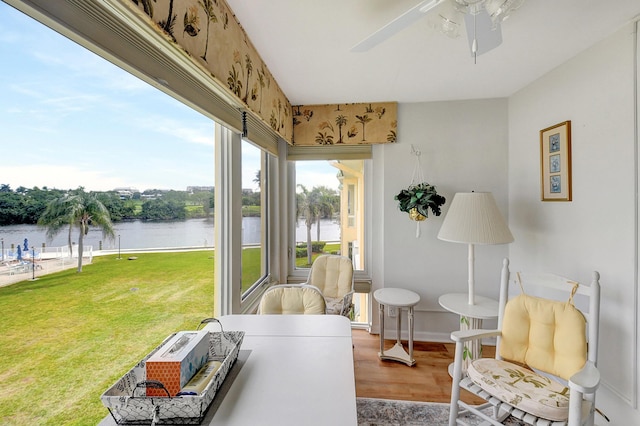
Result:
{"points": [[471, 317], [398, 298]]}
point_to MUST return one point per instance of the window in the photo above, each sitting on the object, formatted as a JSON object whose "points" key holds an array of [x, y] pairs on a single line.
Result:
{"points": [[243, 263], [254, 217], [351, 209], [329, 217]]}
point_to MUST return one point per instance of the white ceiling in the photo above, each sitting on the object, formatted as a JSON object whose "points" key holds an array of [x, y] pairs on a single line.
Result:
{"points": [[306, 45]]}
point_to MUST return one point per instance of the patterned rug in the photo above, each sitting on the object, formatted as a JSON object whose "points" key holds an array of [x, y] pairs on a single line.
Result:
{"points": [[384, 412]]}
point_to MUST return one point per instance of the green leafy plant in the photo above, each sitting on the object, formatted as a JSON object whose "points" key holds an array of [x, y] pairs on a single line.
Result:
{"points": [[418, 199]]}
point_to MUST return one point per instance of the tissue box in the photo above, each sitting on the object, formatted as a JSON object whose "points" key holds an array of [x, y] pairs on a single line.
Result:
{"points": [[177, 361]]}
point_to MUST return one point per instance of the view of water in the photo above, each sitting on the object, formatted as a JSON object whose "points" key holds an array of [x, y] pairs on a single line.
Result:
{"points": [[138, 234]]}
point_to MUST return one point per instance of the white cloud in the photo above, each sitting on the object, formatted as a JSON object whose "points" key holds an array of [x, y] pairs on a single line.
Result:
{"points": [[70, 118], [311, 175], [59, 177], [203, 135]]}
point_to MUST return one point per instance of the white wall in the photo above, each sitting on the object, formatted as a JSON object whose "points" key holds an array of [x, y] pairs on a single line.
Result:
{"points": [[494, 145], [598, 229], [463, 148]]}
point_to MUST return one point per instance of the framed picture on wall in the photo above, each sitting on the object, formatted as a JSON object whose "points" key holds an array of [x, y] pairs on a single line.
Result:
{"points": [[555, 162]]}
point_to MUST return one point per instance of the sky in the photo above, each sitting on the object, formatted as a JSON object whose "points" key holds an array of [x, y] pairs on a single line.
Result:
{"points": [[69, 118]]}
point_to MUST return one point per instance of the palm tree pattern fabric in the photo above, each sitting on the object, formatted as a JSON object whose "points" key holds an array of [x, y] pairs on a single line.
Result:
{"points": [[208, 31], [351, 124]]}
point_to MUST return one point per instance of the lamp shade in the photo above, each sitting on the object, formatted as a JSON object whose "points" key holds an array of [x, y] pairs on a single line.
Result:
{"points": [[474, 218]]}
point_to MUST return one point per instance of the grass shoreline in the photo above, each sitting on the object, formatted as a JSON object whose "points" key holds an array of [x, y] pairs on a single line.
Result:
{"points": [[68, 336]]}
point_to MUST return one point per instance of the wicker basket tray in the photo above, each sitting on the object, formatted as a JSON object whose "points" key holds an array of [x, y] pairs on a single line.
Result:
{"points": [[128, 404]]}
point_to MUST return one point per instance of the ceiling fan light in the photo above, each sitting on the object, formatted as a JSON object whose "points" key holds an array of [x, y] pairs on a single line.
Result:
{"points": [[450, 28], [499, 10], [447, 20]]}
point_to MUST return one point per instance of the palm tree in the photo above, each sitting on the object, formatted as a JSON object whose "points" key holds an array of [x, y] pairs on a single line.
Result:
{"points": [[325, 199], [249, 69], [169, 23], [207, 7], [363, 119], [341, 120], [324, 139], [234, 82], [263, 81], [306, 205], [80, 209]]}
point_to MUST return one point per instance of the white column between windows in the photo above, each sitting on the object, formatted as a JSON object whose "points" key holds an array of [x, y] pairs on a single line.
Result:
{"points": [[228, 222]]}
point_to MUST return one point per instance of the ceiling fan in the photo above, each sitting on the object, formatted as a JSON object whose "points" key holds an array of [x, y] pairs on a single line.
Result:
{"points": [[482, 19]]}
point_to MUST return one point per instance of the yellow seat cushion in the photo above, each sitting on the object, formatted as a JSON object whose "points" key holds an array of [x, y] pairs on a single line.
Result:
{"points": [[522, 388], [544, 334]]}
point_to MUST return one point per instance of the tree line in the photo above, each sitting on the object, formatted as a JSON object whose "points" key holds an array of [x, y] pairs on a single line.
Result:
{"points": [[27, 205], [59, 210]]}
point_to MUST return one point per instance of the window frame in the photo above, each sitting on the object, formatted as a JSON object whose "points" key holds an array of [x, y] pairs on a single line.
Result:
{"points": [[228, 295], [265, 216], [295, 274]]}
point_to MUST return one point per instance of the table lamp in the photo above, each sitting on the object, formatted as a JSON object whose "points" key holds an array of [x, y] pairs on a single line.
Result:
{"points": [[474, 218]]}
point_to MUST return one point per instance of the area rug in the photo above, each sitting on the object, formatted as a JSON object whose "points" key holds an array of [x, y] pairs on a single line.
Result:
{"points": [[385, 412]]}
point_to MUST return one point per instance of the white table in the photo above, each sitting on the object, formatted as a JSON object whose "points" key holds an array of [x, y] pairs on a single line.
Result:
{"points": [[471, 317], [292, 370], [399, 298], [286, 325]]}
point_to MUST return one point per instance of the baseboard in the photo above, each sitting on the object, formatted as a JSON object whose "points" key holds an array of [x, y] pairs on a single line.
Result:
{"points": [[428, 336]]}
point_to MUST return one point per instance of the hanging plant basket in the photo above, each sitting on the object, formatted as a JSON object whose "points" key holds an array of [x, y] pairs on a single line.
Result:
{"points": [[418, 199], [414, 215]]}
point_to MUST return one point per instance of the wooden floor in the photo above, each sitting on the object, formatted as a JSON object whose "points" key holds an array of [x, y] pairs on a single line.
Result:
{"points": [[428, 380]]}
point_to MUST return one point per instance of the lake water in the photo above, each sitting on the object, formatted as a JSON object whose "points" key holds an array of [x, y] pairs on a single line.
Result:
{"points": [[139, 235]]}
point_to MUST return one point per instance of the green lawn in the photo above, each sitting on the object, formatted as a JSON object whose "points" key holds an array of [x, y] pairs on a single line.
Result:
{"points": [[67, 337], [301, 262], [251, 267]]}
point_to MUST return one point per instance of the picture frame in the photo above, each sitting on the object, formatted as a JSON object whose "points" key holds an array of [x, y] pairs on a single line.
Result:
{"points": [[555, 162]]}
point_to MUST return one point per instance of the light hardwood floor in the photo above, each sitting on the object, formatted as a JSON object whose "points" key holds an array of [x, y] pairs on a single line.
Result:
{"points": [[428, 380]]}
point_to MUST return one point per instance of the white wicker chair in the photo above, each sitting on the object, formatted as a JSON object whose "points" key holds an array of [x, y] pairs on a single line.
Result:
{"points": [[333, 276], [555, 342]]}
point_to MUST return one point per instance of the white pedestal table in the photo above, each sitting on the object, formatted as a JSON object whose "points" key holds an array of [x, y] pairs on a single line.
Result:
{"points": [[398, 298]]}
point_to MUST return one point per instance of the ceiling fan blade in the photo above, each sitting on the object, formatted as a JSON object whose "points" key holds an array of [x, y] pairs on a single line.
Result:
{"points": [[481, 29], [395, 26]]}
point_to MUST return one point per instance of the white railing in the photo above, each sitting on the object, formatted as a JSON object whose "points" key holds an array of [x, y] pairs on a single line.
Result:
{"points": [[9, 255]]}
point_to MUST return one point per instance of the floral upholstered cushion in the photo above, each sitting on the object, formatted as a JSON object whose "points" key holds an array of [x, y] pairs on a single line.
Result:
{"points": [[522, 388], [334, 305]]}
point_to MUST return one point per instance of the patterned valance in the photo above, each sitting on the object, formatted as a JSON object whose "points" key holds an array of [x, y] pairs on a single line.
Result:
{"points": [[208, 31], [349, 124]]}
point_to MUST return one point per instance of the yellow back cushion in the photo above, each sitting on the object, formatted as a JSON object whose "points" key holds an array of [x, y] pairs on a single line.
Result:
{"points": [[292, 300], [332, 275], [544, 334]]}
